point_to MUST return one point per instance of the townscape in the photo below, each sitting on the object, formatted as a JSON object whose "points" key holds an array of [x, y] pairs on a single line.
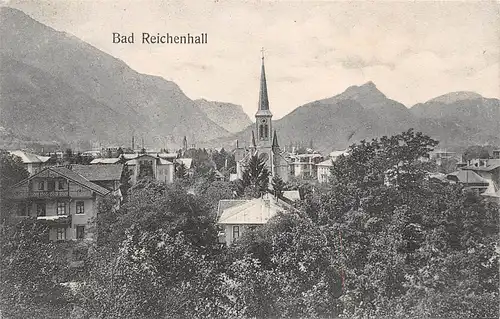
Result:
{"points": [[393, 226]]}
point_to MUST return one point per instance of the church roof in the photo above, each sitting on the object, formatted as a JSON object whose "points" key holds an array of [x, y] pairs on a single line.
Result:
{"points": [[275, 140], [263, 98]]}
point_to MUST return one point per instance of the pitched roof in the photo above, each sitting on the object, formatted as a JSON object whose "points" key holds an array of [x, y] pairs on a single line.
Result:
{"points": [[111, 172], [29, 158], [328, 162], [253, 212], [105, 161], [469, 177], [69, 174], [227, 203], [292, 195], [66, 172]]}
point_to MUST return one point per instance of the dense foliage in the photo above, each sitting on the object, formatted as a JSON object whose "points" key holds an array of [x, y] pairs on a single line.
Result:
{"points": [[380, 240]]}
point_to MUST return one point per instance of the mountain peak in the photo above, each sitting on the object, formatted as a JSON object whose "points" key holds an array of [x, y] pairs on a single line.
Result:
{"points": [[367, 90], [456, 97]]}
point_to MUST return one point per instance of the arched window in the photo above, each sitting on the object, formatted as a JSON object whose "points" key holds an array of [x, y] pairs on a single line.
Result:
{"points": [[266, 131], [261, 131]]}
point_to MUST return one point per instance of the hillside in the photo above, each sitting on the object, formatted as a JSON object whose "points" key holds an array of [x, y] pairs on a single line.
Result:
{"points": [[363, 112], [55, 86], [227, 115]]}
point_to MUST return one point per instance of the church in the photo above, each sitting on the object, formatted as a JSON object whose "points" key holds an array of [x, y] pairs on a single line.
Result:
{"points": [[264, 141]]}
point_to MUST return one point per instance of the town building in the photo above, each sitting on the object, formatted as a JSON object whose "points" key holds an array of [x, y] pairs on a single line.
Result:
{"points": [[305, 165], [325, 167], [264, 142], [324, 170], [489, 171], [235, 217], [63, 199], [33, 163], [151, 166]]}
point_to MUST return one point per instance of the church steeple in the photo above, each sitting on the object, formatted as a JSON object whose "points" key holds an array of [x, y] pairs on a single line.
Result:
{"points": [[263, 99], [263, 117]]}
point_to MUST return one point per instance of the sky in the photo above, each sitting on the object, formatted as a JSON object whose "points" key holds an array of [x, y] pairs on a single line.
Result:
{"points": [[412, 50]]}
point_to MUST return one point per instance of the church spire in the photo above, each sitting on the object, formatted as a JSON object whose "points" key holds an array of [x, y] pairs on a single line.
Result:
{"points": [[275, 140], [263, 99]]}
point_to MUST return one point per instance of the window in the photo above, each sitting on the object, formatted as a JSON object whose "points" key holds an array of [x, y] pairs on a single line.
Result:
{"points": [[62, 184], [236, 232], [40, 209], [61, 208], [41, 185], [22, 209], [61, 233], [80, 207], [51, 185], [80, 232]]}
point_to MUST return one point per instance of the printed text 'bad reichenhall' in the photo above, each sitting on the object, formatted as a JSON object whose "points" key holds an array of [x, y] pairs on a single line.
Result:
{"points": [[166, 38]]}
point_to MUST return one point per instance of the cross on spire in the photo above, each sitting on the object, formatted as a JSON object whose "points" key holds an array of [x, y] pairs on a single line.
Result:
{"points": [[262, 52]]}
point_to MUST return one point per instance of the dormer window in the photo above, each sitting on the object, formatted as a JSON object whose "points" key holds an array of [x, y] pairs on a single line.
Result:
{"points": [[41, 185]]}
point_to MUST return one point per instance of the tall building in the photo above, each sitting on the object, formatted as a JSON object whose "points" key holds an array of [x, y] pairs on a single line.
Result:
{"points": [[266, 142]]}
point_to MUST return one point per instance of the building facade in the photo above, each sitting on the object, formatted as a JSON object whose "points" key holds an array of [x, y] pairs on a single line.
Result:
{"points": [[63, 199]]}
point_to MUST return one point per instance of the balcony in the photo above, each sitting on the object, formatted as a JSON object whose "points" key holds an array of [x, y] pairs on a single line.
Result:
{"points": [[57, 220]]}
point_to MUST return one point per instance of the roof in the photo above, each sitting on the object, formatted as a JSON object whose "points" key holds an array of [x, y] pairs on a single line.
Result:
{"points": [[338, 153], [66, 172], [252, 212], [130, 156], [111, 172], [469, 177], [165, 162], [227, 203], [186, 161], [105, 161], [69, 174], [328, 162], [292, 195], [29, 158], [167, 155]]}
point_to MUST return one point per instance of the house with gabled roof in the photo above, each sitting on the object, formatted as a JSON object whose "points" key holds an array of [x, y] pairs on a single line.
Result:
{"points": [[237, 216], [62, 198], [33, 163]]}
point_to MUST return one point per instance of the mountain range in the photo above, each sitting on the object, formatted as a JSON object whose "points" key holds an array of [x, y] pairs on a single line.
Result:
{"points": [[55, 88]]}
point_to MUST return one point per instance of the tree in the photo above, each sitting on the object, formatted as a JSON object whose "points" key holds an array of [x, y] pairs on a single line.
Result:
{"points": [[278, 186], [12, 171], [255, 177], [180, 171], [29, 269], [407, 240]]}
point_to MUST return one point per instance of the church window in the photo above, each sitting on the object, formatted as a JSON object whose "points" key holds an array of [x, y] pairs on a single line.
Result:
{"points": [[266, 131]]}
